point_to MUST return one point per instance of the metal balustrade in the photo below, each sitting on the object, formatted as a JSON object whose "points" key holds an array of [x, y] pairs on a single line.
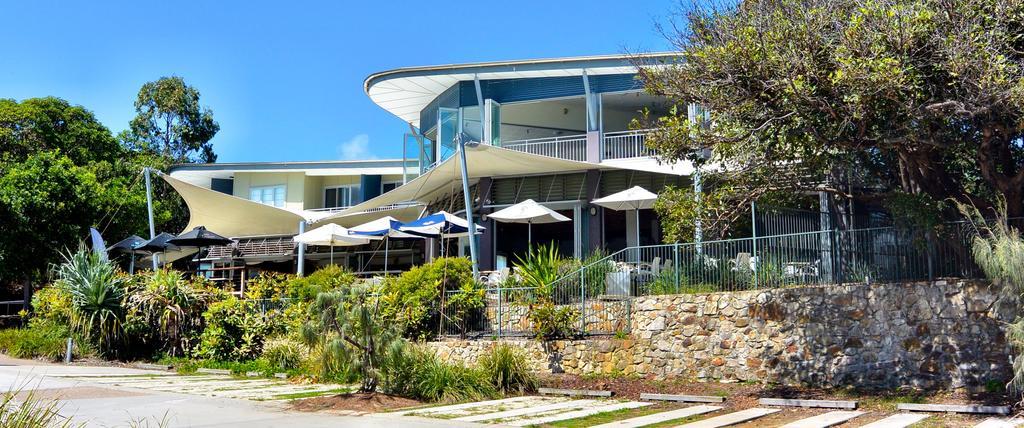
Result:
{"points": [[625, 144], [571, 147]]}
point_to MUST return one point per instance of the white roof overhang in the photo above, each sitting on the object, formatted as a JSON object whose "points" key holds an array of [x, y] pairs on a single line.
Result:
{"points": [[482, 161], [404, 92]]}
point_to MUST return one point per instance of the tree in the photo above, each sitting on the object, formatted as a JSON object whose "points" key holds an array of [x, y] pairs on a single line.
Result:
{"points": [[61, 172], [170, 121], [896, 97]]}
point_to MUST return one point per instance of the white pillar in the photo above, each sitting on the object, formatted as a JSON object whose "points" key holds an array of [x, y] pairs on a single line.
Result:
{"points": [[300, 262]]}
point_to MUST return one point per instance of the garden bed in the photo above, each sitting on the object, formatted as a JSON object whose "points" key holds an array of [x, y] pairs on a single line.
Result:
{"points": [[358, 402]]}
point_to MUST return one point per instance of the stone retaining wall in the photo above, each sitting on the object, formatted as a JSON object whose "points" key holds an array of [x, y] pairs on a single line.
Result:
{"points": [[921, 335]]}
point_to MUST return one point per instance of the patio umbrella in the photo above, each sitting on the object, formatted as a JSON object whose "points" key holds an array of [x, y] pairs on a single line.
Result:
{"points": [[529, 212], [441, 224], [382, 228], [634, 198], [199, 237], [158, 244], [128, 245], [330, 234]]}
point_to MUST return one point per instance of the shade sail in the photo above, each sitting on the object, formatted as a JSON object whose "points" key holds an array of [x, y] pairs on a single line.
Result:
{"points": [[528, 211], [329, 235], [440, 225], [633, 198], [384, 227], [233, 216], [482, 161], [400, 212]]}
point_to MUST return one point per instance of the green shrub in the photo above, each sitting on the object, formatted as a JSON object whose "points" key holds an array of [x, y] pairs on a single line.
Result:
{"points": [[284, 353], [464, 306], [414, 372], [267, 286], [97, 291], [171, 307], [508, 370], [540, 269], [328, 278], [45, 340], [549, 321], [411, 301], [235, 331], [52, 305]]}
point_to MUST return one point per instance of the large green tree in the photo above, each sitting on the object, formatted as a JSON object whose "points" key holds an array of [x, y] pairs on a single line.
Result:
{"points": [[61, 172], [170, 121], [889, 97]]}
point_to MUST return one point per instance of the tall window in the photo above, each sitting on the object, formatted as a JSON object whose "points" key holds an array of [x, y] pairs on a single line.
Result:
{"points": [[339, 196], [268, 195]]}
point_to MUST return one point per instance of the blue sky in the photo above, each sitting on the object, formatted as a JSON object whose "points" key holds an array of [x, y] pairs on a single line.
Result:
{"points": [[284, 79]]}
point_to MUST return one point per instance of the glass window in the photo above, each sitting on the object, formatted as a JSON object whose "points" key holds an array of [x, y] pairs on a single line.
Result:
{"points": [[389, 186], [268, 195], [339, 196]]}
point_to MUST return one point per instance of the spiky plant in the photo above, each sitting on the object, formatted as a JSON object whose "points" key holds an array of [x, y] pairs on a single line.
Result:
{"points": [[508, 370], [97, 293], [350, 333], [998, 250], [540, 269], [165, 299], [22, 407]]}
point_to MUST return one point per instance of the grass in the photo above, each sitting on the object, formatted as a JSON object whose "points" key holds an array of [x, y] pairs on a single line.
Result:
{"points": [[618, 415], [23, 408], [39, 341], [311, 394], [239, 368]]}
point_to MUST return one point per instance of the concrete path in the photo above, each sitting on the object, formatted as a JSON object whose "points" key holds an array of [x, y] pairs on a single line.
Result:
{"points": [[214, 386], [899, 420], [103, 405], [657, 418], [731, 418], [824, 420], [574, 404], [1000, 423], [581, 413]]}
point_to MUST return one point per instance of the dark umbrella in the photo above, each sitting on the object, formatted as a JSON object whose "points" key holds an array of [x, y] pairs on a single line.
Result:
{"points": [[158, 244], [199, 237], [128, 245]]}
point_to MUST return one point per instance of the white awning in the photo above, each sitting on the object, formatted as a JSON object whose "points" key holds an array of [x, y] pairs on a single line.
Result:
{"points": [[483, 161]]}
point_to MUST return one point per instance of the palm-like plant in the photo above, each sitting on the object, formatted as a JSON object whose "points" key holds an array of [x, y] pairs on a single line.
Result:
{"points": [[168, 301], [97, 292], [540, 268]]}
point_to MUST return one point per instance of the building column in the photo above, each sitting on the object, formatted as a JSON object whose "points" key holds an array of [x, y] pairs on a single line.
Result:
{"points": [[594, 225], [486, 248]]}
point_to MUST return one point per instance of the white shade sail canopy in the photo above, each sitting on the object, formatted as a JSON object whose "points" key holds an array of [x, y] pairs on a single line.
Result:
{"points": [[528, 211], [633, 198], [329, 234]]}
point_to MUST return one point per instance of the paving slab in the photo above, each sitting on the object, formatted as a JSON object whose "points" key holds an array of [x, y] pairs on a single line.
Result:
{"points": [[682, 398], [796, 402], [899, 420], [731, 418], [575, 392], [582, 413], [657, 418], [527, 411], [453, 407], [1000, 423], [824, 420], [955, 408]]}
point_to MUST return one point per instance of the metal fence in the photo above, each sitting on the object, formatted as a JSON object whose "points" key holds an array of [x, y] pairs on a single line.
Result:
{"points": [[626, 144], [572, 147], [601, 293]]}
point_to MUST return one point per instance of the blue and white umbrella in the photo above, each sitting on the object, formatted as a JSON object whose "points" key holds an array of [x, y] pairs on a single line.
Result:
{"points": [[439, 225], [383, 228]]}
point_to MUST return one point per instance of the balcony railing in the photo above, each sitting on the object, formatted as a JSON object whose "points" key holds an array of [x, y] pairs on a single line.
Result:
{"points": [[571, 147], [626, 144], [614, 145]]}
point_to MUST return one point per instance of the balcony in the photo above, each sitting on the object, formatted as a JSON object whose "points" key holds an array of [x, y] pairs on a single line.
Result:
{"points": [[614, 145]]}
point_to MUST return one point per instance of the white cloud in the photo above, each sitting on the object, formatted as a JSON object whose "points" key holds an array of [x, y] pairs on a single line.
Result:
{"points": [[357, 148]]}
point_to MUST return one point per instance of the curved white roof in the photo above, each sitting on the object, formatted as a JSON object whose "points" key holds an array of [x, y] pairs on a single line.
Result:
{"points": [[404, 92]]}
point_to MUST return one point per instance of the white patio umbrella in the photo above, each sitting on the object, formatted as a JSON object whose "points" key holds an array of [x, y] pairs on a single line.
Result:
{"points": [[382, 228], [331, 235], [634, 198], [529, 212]]}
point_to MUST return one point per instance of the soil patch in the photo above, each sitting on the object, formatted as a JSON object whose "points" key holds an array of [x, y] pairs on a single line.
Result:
{"points": [[359, 402]]}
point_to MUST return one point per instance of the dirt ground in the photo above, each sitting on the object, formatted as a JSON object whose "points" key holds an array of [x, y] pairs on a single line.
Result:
{"points": [[358, 402]]}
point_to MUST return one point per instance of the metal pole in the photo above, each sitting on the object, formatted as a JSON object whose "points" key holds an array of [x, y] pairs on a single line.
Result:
{"points": [[753, 226], [300, 262], [469, 206], [149, 209]]}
